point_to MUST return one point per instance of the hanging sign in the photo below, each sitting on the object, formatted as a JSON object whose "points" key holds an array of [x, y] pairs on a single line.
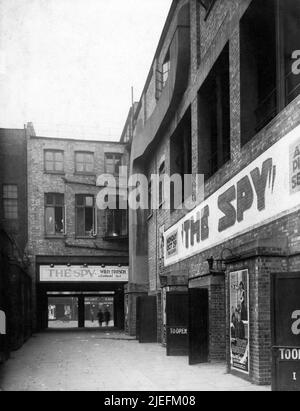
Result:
{"points": [[75, 274]]}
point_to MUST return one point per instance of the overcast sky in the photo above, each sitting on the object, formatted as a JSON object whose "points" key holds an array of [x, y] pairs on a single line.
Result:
{"points": [[68, 65]]}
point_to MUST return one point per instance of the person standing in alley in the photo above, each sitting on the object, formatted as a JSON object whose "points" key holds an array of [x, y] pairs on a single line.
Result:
{"points": [[100, 317], [107, 317]]}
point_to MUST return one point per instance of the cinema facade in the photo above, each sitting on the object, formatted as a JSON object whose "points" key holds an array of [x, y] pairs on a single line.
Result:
{"points": [[78, 253], [213, 104]]}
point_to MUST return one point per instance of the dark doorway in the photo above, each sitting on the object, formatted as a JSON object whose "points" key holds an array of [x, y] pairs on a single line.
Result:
{"points": [[146, 319], [198, 326], [177, 323], [286, 332]]}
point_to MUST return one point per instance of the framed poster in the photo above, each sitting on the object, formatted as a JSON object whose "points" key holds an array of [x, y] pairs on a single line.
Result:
{"points": [[239, 320]]}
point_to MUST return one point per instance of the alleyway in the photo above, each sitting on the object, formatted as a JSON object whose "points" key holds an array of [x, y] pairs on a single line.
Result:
{"points": [[70, 360]]}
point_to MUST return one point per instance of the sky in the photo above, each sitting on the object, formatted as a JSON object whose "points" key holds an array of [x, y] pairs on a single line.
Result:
{"points": [[68, 65]]}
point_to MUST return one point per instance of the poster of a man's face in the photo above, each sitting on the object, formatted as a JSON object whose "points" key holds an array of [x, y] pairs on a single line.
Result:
{"points": [[239, 328]]}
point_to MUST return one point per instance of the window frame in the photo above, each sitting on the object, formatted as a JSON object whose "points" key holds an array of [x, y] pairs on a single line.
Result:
{"points": [[14, 199], [166, 68], [54, 151], [115, 155], [94, 231], [109, 237], [90, 173], [56, 205]]}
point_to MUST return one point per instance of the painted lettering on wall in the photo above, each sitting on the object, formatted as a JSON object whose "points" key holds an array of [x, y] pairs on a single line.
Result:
{"points": [[295, 167], [248, 192], [243, 193], [82, 274], [263, 191]]}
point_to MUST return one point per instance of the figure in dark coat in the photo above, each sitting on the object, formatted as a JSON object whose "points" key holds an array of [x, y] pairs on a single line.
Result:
{"points": [[100, 317], [107, 317]]}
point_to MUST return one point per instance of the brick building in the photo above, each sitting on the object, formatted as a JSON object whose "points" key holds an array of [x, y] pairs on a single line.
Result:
{"points": [[77, 251], [221, 100], [15, 282]]}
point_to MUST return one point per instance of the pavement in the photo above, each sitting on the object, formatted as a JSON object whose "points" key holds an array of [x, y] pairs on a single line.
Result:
{"points": [[54, 325], [108, 361]]}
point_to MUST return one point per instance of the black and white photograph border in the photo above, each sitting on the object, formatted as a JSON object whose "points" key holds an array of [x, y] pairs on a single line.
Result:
{"points": [[150, 198]]}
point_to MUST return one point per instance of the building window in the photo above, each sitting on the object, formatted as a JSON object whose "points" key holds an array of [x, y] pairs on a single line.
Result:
{"points": [[214, 115], [84, 162], [10, 202], [161, 189], [86, 216], [55, 214], [162, 75], [268, 83], [54, 161], [113, 163], [181, 159], [166, 70], [258, 68], [291, 35], [116, 222]]}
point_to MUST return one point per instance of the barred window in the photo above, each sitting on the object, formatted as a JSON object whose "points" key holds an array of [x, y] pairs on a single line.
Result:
{"points": [[10, 202], [84, 162], [54, 161]]}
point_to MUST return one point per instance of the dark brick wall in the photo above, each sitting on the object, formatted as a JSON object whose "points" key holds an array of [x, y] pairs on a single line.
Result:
{"points": [[13, 170], [15, 284], [217, 323], [208, 38]]}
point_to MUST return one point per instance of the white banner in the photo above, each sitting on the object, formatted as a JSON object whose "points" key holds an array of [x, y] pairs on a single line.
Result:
{"points": [[61, 273], [264, 191]]}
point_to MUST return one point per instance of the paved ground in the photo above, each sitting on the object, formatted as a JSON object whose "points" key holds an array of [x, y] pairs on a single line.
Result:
{"points": [[74, 324], [108, 361]]}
